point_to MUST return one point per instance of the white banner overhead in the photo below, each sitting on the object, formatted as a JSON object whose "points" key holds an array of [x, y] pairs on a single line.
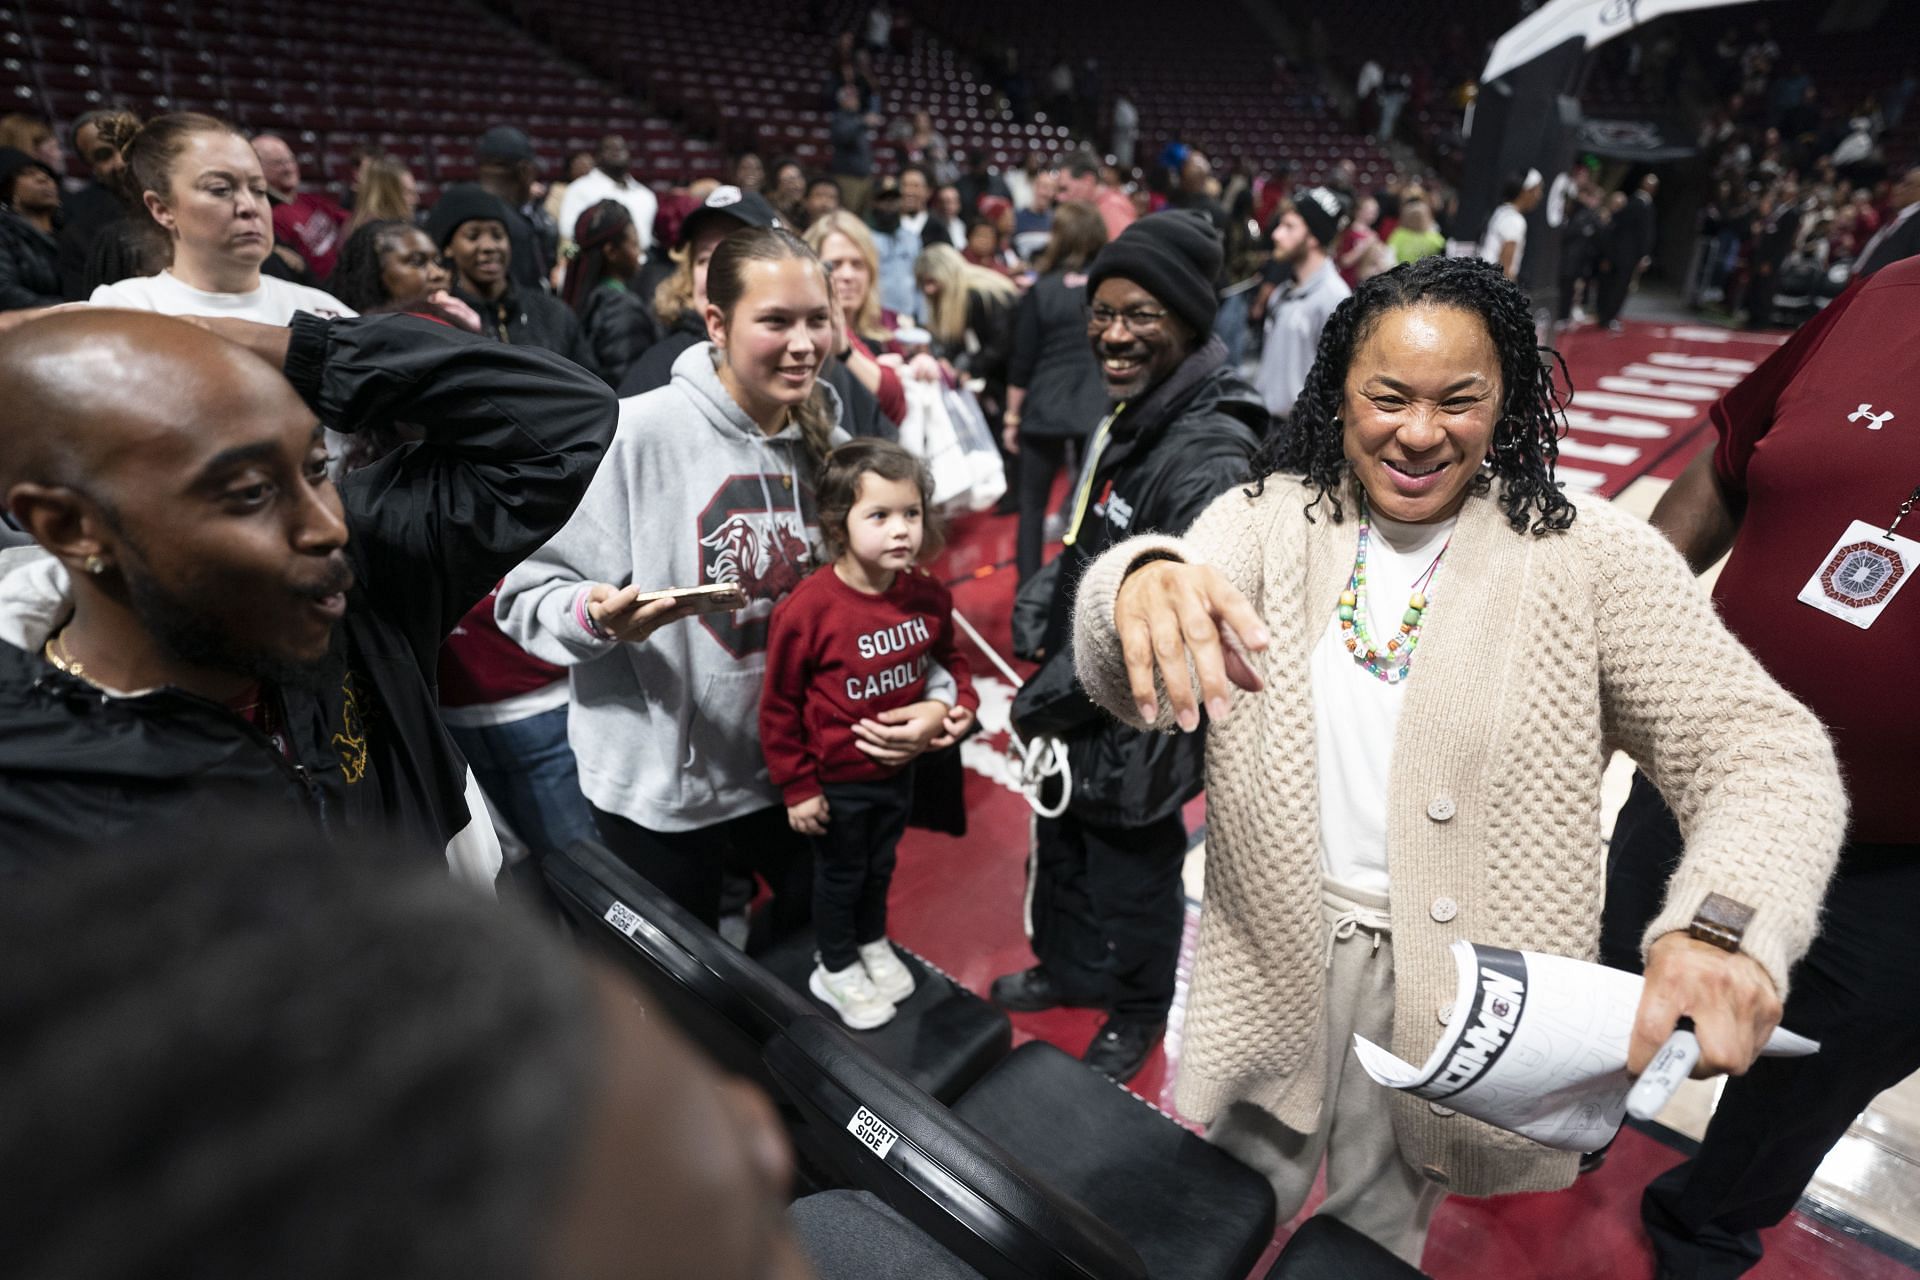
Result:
{"points": [[1594, 21]]}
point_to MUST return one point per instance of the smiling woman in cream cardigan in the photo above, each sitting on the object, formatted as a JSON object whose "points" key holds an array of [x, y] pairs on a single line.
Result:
{"points": [[1416, 654]]}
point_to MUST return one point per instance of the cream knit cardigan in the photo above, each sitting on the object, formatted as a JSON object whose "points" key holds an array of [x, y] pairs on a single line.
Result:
{"points": [[1538, 654]]}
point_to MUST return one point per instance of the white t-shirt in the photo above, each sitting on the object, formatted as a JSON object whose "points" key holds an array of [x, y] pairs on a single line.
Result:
{"points": [[274, 302], [584, 193], [1355, 713], [1507, 223]]}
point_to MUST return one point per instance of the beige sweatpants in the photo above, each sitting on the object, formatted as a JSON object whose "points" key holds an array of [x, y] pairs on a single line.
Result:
{"points": [[1369, 1186]]}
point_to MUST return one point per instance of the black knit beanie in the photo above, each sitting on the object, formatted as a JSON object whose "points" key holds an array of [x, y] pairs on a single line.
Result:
{"points": [[1323, 212], [1175, 256], [464, 202]]}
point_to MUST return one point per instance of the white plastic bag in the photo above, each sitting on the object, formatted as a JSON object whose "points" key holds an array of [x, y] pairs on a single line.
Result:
{"points": [[976, 441], [929, 433]]}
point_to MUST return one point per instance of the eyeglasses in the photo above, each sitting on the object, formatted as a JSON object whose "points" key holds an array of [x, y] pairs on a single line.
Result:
{"points": [[1141, 322]]}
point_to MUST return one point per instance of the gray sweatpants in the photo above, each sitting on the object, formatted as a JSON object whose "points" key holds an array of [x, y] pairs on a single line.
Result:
{"points": [[1369, 1186]]}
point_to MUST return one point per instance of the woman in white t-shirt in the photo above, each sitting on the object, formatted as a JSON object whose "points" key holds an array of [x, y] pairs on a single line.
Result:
{"points": [[202, 185], [1505, 242]]}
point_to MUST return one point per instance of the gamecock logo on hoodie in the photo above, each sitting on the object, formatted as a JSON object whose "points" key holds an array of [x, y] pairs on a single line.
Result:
{"points": [[764, 549]]}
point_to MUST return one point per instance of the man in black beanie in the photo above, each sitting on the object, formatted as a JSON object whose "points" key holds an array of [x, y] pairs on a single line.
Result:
{"points": [[1108, 909]]}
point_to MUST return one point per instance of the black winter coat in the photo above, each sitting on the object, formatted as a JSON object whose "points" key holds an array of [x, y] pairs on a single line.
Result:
{"points": [[29, 265], [512, 438], [1054, 361], [619, 328], [1168, 456], [526, 317]]}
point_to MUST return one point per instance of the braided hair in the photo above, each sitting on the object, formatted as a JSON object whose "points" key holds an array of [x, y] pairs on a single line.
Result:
{"points": [[597, 230], [236, 1057], [1532, 411], [358, 278]]}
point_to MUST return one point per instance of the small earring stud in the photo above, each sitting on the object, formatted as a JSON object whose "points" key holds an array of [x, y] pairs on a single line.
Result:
{"points": [[95, 565]]}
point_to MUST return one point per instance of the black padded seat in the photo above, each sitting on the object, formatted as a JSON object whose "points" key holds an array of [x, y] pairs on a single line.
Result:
{"points": [[1189, 1209], [729, 1005], [942, 1039], [854, 1235], [880, 1134], [1328, 1249]]}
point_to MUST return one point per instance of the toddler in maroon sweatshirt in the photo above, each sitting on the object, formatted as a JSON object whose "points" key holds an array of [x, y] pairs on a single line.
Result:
{"points": [[852, 641]]}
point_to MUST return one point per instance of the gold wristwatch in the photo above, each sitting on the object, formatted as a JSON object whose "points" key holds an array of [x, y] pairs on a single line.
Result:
{"points": [[1721, 922]]}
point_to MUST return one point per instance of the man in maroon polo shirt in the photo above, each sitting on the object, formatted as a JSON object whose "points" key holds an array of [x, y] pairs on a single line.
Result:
{"points": [[1816, 458]]}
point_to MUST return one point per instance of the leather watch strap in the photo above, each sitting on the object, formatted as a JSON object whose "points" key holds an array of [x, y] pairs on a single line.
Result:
{"points": [[1721, 922]]}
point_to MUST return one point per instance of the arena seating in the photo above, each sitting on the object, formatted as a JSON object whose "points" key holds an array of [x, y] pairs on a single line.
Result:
{"points": [[439, 73], [942, 1042], [1217, 84], [1037, 1167], [753, 74]]}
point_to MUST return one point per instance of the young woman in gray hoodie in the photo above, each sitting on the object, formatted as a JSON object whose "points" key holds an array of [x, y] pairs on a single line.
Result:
{"points": [[709, 480]]}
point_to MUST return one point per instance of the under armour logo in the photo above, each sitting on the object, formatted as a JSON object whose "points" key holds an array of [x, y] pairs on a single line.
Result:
{"points": [[1873, 420]]}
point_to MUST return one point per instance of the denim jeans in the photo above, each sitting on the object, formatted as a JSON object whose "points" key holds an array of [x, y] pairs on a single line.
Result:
{"points": [[527, 770]]}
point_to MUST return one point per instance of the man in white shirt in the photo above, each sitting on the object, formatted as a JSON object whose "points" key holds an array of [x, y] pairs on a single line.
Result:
{"points": [[610, 180], [1505, 242], [1306, 230]]}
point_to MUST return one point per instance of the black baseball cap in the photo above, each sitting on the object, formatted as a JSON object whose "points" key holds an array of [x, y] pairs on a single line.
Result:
{"points": [[748, 208], [503, 144]]}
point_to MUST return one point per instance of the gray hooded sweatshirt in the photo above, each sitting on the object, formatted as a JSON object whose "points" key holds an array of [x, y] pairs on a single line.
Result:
{"points": [[666, 731]]}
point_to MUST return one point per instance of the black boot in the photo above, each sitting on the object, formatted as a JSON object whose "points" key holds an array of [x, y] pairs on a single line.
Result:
{"points": [[1120, 1049], [1032, 990]]}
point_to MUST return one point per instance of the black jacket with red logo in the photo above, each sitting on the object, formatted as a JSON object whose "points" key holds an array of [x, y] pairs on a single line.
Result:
{"points": [[1181, 446], [512, 437]]}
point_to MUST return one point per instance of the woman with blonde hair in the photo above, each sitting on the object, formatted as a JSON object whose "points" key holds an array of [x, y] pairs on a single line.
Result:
{"points": [[852, 262], [386, 193], [970, 314], [1416, 237]]}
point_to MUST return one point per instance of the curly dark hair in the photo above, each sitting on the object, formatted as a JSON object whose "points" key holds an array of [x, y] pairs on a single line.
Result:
{"points": [[1526, 439]]}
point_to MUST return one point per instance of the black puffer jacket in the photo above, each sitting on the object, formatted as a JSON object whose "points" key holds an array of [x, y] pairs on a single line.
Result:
{"points": [[512, 439], [528, 318], [1168, 456], [29, 265], [619, 328]]}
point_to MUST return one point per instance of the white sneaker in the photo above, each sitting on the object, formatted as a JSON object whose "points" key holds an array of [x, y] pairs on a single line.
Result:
{"points": [[852, 995], [893, 980]]}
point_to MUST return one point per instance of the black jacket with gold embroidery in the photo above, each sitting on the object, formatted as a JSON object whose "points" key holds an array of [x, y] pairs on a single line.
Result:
{"points": [[512, 437]]}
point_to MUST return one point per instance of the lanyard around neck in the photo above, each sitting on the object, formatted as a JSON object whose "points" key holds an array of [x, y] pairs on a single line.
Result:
{"points": [[1099, 446]]}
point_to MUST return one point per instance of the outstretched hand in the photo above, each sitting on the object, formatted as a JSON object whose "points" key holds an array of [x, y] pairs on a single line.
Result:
{"points": [[1727, 994], [1168, 613]]}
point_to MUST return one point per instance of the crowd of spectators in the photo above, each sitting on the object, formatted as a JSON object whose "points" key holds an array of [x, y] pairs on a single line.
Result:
{"points": [[1807, 193]]}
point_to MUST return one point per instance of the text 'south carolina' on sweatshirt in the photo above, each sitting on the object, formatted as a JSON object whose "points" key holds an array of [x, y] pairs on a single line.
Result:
{"points": [[691, 492], [837, 656]]}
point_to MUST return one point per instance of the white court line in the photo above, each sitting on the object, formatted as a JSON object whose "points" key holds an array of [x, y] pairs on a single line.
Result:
{"points": [[1607, 455], [1663, 389], [1634, 404], [1607, 424]]}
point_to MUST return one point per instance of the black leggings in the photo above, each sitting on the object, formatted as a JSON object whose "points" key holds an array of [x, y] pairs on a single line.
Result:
{"points": [[1041, 459], [688, 866]]}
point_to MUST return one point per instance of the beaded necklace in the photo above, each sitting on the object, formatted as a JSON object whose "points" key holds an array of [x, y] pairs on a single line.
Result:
{"points": [[1392, 663]]}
